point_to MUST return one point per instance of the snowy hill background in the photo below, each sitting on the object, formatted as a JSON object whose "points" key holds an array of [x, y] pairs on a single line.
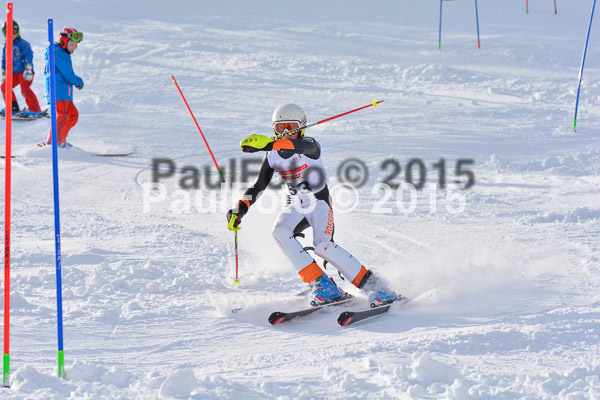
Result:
{"points": [[506, 301]]}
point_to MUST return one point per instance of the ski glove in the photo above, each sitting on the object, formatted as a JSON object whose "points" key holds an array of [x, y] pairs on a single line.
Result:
{"points": [[235, 215], [28, 74], [233, 221], [80, 86], [256, 143]]}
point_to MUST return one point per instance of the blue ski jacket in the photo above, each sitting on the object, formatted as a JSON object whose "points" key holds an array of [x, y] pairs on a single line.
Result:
{"points": [[22, 54], [65, 76]]}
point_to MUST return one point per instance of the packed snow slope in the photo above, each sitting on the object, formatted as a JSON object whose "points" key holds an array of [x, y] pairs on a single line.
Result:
{"points": [[504, 274]]}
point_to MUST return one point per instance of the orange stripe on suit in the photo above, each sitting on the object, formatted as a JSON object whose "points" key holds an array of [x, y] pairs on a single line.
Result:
{"points": [[361, 274], [310, 272], [283, 144]]}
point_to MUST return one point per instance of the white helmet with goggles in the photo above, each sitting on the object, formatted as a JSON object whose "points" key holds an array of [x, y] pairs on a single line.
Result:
{"points": [[288, 117]]}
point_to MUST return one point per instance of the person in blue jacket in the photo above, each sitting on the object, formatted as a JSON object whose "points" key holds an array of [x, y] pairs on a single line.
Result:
{"points": [[66, 112], [22, 73]]}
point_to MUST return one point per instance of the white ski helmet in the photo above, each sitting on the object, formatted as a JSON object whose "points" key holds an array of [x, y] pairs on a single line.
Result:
{"points": [[289, 113]]}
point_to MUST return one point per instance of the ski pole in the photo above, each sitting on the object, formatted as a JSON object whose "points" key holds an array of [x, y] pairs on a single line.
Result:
{"points": [[555, 10], [582, 64], [199, 130], [237, 278], [374, 104]]}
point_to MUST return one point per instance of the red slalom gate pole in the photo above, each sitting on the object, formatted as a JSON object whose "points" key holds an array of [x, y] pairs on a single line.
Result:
{"points": [[199, 130], [8, 115], [375, 103]]}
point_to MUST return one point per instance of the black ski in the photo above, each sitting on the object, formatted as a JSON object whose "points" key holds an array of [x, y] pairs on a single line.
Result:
{"points": [[351, 317], [279, 317]]}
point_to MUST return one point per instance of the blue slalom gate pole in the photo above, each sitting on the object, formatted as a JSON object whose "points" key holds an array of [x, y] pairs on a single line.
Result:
{"points": [[61, 354], [582, 64], [440, 35], [477, 19]]}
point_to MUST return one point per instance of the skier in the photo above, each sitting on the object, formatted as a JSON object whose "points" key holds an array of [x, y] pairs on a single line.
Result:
{"points": [[22, 73], [297, 159], [66, 112]]}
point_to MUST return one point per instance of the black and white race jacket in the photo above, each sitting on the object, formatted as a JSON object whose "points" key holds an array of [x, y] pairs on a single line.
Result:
{"points": [[299, 163]]}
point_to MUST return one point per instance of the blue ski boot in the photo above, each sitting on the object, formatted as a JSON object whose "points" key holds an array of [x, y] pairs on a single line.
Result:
{"points": [[325, 291], [29, 114], [3, 112], [377, 291]]}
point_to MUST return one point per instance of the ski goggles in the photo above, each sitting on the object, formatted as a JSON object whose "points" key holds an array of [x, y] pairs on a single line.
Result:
{"points": [[74, 36], [281, 127]]}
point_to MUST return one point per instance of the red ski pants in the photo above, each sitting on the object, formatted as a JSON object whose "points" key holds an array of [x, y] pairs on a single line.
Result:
{"points": [[66, 118], [30, 97]]}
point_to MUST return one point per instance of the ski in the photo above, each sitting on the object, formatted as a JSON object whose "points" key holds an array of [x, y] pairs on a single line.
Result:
{"points": [[279, 317], [351, 317], [114, 154]]}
